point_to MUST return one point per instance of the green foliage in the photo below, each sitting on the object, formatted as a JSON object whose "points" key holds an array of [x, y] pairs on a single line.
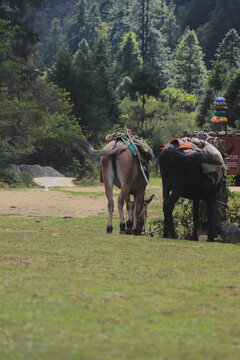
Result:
{"points": [[86, 173], [188, 71], [183, 216], [19, 13], [179, 100], [57, 132], [16, 128], [61, 71], [144, 84], [129, 57], [204, 110], [232, 94], [228, 50], [55, 42], [15, 73], [29, 108], [165, 118], [15, 179], [233, 202], [217, 77], [224, 18]]}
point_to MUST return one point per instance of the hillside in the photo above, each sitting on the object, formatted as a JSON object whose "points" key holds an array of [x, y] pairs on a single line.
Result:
{"points": [[211, 19]]}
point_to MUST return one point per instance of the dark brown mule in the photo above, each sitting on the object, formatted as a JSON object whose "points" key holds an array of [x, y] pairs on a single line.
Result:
{"points": [[121, 168], [182, 176]]}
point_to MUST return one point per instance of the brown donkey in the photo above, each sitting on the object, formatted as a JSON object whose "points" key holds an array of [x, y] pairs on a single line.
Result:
{"points": [[121, 168]]}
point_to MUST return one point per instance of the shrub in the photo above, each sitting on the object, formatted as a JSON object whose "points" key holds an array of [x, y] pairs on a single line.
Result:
{"points": [[15, 178]]}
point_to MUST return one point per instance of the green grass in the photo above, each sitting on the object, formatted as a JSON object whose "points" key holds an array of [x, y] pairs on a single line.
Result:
{"points": [[70, 291]]}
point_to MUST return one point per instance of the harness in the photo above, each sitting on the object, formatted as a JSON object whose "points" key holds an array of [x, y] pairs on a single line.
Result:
{"points": [[131, 147]]}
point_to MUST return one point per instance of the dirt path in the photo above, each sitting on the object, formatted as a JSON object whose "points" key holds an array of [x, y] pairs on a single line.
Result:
{"points": [[42, 202], [52, 202]]}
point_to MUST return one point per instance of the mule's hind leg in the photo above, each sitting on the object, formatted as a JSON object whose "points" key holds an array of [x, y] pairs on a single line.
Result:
{"points": [[123, 196], [211, 202], [108, 179], [168, 206], [195, 219], [130, 209]]}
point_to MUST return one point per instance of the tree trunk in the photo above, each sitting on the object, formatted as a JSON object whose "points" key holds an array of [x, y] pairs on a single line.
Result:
{"points": [[143, 112]]}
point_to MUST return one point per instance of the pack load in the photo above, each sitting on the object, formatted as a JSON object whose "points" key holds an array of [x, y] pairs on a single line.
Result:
{"points": [[135, 143]]}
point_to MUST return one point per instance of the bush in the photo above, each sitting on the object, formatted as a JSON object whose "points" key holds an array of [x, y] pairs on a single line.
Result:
{"points": [[11, 177], [86, 173], [15, 178], [183, 216], [26, 179]]}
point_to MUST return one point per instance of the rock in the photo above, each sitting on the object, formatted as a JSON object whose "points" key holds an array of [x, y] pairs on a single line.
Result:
{"points": [[230, 233], [36, 170]]}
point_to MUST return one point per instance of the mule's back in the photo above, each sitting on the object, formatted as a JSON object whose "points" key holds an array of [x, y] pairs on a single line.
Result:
{"points": [[184, 174], [122, 168]]}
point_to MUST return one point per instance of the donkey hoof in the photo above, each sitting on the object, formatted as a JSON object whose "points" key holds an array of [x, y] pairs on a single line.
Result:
{"points": [[109, 229], [129, 224], [122, 228], [136, 232], [128, 232]]}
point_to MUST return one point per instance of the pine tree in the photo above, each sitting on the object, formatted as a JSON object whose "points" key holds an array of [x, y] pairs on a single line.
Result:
{"points": [[120, 23], [232, 95], [76, 27], [188, 71], [129, 57], [204, 111], [217, 77], [104, 101], [225, 17], [144, 84], [228, 50], [149, 22], [47, 51], [19, 13], [82, 92], [93, 21], [170, 28], [61, 71]]}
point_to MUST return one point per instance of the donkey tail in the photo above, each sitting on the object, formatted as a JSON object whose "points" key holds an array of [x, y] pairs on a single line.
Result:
{"points": [[195, 157], [87, 147]]}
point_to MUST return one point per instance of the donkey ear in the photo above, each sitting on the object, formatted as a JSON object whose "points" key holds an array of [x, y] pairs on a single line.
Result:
{"points": [[147, 201]]}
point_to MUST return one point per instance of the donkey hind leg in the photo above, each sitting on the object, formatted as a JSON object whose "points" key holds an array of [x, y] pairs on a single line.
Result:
{"points": [[123, 196], [110, 215], [195, 219], [130, 209], [168, 206], [109, 194]]}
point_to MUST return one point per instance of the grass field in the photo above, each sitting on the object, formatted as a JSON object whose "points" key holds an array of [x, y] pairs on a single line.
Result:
{"points": [[70, 291]]}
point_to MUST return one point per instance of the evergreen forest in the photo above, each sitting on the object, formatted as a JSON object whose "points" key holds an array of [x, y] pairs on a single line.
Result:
{"points": [[78, 68]]}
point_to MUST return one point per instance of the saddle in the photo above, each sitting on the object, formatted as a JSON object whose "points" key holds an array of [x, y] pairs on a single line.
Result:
{"points": [[140, 149], [189, 145], [135, 144]]}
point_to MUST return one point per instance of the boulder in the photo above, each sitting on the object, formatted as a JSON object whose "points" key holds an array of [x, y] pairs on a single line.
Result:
{"points": [[36, 170]]}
